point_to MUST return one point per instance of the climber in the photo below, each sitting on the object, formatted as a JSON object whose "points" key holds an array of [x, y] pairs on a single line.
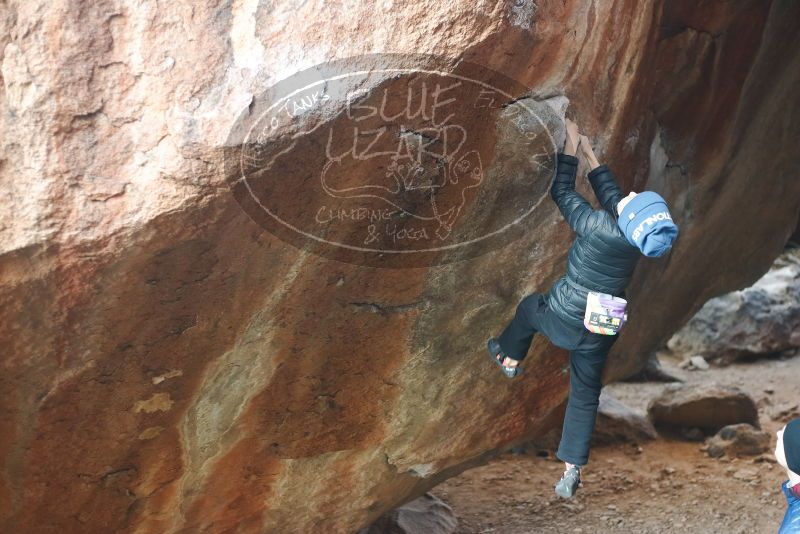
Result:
{"points": [[787, 453], [584, 310]]}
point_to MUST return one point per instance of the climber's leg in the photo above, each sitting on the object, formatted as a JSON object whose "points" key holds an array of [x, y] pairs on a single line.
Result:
{"points": [[517, 336], [586, 367]]}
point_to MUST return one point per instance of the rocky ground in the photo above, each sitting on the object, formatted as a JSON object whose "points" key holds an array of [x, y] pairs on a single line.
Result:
{"points": [[663, 486]]}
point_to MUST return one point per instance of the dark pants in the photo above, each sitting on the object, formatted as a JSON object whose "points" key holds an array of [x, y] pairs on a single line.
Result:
{"points": [[587, 357]]}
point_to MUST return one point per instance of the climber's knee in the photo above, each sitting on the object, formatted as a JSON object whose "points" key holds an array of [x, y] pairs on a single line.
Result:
{"points": [[529, 305]]}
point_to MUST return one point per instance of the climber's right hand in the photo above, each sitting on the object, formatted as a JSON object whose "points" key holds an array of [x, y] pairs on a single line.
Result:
{"points": [[573, 138]]}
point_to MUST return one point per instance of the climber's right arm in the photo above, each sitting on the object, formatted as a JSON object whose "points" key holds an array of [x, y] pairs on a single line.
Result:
{"points": [[575, 209], [602, 179]]}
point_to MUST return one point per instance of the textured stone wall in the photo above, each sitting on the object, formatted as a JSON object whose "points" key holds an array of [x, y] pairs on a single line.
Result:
{"points": [[169, 366]]}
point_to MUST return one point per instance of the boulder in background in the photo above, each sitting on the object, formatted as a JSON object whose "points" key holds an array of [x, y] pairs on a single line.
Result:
{"points": [[707, 407], [618, 423], [738, 440], [762, 319], [426, 515]]}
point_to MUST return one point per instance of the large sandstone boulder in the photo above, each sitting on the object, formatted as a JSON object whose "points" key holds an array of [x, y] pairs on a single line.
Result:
{"points": [[761, 319], [172, 361]]}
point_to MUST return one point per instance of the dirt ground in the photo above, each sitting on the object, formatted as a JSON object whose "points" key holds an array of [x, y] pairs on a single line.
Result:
{"points": [[662, 486]]}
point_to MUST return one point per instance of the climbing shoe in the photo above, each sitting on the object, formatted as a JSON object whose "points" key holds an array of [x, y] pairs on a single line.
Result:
{"points": [[497, 355], [568, 485]]}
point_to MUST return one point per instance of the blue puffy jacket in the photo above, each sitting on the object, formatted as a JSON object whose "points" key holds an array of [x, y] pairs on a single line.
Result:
{"points": [[601, 258], [791, 521]]}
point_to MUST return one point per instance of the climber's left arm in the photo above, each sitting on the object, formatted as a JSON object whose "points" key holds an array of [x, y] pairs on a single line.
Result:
{"points": [[605, 187]]}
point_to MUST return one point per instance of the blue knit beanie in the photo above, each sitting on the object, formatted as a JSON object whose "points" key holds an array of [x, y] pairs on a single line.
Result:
{"points": [[647, 224]]}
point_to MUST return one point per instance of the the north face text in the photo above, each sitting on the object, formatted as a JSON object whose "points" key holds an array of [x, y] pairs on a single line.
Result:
{"points": [[650, 221]]}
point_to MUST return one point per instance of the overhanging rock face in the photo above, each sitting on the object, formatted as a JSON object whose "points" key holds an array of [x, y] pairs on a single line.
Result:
{"points": [[170, 366]]}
